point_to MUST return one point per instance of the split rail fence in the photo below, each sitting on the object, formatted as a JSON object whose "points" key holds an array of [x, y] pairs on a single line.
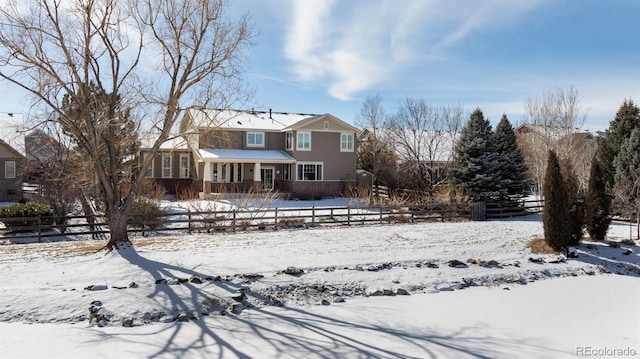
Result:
{"points": [[261, 219]]}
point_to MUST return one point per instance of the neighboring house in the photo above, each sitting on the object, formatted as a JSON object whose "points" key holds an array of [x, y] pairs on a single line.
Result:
{"points": [[305, 156], [12, 157], [172, 166]]}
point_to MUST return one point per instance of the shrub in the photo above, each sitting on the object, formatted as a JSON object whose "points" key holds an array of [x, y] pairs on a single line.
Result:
{"points": [[556, 217], [146, 212], [27, 210]]}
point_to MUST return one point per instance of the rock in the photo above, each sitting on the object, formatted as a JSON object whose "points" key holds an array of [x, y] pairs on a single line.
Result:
{"points": [[456, 263], [506, 288], [387, 292], [536, 260], [372, 268], [127, 323], [181, 318], [627, 252], [239, 297], [182, 280], [235, 308], [401, 291], [471, 261], [161, 281], [293, 271], [338, 300], [430, 265], [493, 263], [325, 302], [96, 303], [132, 285], [95, 287], [195, 279], [376, 293], [252, 276]]}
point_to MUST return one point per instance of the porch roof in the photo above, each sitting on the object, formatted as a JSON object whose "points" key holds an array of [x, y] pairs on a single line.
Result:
{"points": [[245, 156]]}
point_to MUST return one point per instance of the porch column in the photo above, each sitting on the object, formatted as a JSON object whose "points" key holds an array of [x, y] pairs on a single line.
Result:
{"points": [[206, 178], [256, 172]]}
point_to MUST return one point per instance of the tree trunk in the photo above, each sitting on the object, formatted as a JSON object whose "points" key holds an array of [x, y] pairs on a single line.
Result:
{"points": [[118, 236]]}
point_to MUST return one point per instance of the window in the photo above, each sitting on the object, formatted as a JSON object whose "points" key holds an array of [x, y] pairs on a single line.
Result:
{"points": [[286, 172], [309, 172], [346, 142], [227, 172], [149, 171], [166, 165], [255, 139], [288, 142], [184, 166], [304, 141], [10, 169]]}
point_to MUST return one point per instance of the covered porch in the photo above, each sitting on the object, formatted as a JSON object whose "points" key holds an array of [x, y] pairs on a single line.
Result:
{"points": [[229, 171]]}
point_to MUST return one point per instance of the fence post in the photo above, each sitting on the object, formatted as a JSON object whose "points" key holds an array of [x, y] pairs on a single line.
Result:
{"points": [[313, 215], [189, 218], [275, 219], [234, 220], [39, 229], [349, 215]]}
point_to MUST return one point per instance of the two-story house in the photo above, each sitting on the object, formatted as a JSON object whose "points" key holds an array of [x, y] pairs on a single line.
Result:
{"points": [[12, 157], [305, 156]]}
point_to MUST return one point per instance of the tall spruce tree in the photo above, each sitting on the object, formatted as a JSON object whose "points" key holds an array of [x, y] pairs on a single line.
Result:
{"points": [[514, 179], [597, 202], [475, 167], [555, 215], [575, 202], [627, 119], [627, 177]]}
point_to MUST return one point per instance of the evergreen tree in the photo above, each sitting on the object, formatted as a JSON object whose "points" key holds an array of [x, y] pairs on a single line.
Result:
{"points": [[627, 177], [555, 216], [514, 179], [627, 119], [597, 203], [476, 163], [575, 202]]}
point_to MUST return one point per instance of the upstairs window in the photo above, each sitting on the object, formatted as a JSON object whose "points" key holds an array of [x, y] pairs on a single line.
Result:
{"points": [[304, 141], [255, 139], [288, 141], [346, 142]]}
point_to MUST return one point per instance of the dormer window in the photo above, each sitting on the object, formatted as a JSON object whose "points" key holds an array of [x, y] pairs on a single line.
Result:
{"points": [[255, 139]]}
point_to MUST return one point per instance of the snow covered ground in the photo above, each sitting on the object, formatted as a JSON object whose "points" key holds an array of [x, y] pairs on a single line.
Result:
{"points": [[352, 292]]}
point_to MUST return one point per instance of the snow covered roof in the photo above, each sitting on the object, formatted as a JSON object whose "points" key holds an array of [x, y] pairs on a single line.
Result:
{"points": [[12, 130], [244, 120], [253, 120], [247, 156]]}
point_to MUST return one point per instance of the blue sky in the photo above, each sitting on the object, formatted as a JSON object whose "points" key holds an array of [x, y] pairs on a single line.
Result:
{"points": [[327, 56], [319, 56]]}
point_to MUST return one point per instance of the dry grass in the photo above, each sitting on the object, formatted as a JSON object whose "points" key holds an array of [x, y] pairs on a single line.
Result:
{"points": [[539, 246]]}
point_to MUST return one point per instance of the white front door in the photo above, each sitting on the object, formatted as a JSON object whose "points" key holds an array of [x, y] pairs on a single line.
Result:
{"points": [[266, 175]]}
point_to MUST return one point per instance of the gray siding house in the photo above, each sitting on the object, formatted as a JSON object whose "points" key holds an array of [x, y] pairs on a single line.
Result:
{"points": [[305, 156], [12, 158]]}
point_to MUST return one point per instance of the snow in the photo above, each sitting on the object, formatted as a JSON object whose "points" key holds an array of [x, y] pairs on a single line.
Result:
{"points": [[524, 305]]}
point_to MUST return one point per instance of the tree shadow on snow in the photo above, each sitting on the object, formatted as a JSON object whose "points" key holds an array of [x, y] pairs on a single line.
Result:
{"points": [[283, 331]]}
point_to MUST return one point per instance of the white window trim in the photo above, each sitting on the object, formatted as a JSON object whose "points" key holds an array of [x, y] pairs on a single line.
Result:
{"points": [[149, 172], [310, 163], [183, 173], [256, 134], [342, 143], [299, 143], [166, 155], [288, 141], [9, 171]]}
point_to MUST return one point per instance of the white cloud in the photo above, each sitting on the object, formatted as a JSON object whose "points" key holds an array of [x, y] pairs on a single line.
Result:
{"points": [[349, 47]]}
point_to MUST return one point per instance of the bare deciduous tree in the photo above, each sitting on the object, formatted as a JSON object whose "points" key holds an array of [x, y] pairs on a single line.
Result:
{"points": [[149, 57], [552, 120]]}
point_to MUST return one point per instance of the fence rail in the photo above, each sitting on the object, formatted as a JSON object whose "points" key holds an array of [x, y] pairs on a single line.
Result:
{"points": [[259, 219]]}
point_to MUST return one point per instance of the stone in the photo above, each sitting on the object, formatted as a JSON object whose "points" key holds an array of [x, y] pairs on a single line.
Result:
{"points": [[235, 308], [430, 265], [132, 285], [95, 287], [456, 264], [325, 302], [401, 291], [387, 292], [195, 279], [471, 261], [127, 323], [376, 293], [293, 271], [181, 318], [338, 300], [627, 252], [493, 263]]}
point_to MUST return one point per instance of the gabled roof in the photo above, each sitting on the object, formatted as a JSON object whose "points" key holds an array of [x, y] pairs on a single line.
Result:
{"points": [[12, 131], [252, 120]]}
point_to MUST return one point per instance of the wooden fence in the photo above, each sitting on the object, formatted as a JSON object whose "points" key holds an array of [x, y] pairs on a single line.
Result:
{"points": [[258, 219]]}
